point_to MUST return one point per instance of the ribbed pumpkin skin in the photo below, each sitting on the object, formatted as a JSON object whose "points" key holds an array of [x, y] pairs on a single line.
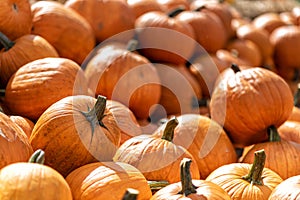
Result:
{"points": [[24, 123], [27, 48], [68, 32], [248, 102], [107, 180], [287, 189], [32, 181], [14, 144], [15, 18], [229, 178], [69, 139], [40, 83]]}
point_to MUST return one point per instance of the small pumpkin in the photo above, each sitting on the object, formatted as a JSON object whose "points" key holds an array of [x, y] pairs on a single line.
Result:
{"points": [[268, 21], [33, 180], [14, 144], [40, 83], [249, 101], [189, 188], [68, 32], [15, 18], [247, 181], [287, 189], [107, 180], [24, 123], [158, 158], [21, 51]]}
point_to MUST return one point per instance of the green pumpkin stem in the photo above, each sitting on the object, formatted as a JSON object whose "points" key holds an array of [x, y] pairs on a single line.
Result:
{"points": [[157, 185], [235, 68], [6, 42], [130, 194], [176, 11], [37, 157], [255, 174], [169, 129], [132, 45], [186, 177], [273, 134]]}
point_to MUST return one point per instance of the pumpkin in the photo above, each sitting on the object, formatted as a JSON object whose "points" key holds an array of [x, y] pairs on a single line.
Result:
{"points": [[124, 76], [23, 50], [246, 102], [247, 181], [107, 180], [68, 32], [75, 131], [205, 140], [24, 123], [213, 36], [14, 144], [169, 5], [33, 180], [140, 7], [286, 38], [290, 131], [125, 119], [189, 188], [15, 18], [158, 158], [288, 17], [163, 38], [287, 189], [279, 152], [40, 83], [268, 21], [104, 24]]}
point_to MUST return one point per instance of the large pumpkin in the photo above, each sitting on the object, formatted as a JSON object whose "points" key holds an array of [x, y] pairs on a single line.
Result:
{"points": [[42, 82], [287, 189], [107, 180], [75, 131], [249, 101], [68, 32]]}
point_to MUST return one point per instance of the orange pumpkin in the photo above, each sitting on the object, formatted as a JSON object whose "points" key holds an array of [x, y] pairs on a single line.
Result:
{"points": [[15, 18], [23, 50], [189, 188], [14, 144], [287, 189], [156, 157], [99, 15], [140, 7], [247, 181], [42, 82], [68, 32], [249, 101], [74, 131], [268, 21], [33, 180], [24, 123], [107, 180], [290, 131]]}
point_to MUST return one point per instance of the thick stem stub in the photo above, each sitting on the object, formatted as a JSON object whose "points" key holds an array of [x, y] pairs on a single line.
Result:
{"points": [[6, 42], [169, 129], [130, 194], [37, 157], [273, 134], [186, 177], [235, 68]]}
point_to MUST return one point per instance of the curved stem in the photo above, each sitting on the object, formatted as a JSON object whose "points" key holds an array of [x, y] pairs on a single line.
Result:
{"points": [[255, 174], [6, 43], [235, 68], [186, 177], [37, 157], [169, 129], [176, 11], [130, 194], [273, 134]]}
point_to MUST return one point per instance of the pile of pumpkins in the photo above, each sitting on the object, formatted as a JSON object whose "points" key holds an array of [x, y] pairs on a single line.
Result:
{"points": [[148, 99]]}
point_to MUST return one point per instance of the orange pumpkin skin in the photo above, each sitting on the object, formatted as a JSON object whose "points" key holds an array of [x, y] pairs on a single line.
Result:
{"points": [[68, 32], [239, 102], [295, 115], [70, 139], [107, 180], [104, 24], [124, 76], [14, 144], [205, 140], [169, 5], [32, 181], [25, 49], [40, 83], [287, 189], [290, 131], [140, 7], [15, 18], [268, 21], [24, 123]]}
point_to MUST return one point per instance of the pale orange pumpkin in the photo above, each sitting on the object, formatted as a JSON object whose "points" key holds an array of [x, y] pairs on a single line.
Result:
{"points": [[24, 123], [287, 189]]}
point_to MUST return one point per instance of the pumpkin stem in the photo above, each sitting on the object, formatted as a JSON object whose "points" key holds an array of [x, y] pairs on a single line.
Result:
{"points": [[37, 157], [6, 42], [273, 134], [157, 185], [132, 45], [169, 129], [235, 68], [186, 177], [130, 194], [254, 176], [176, 11], [297, 95]]}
